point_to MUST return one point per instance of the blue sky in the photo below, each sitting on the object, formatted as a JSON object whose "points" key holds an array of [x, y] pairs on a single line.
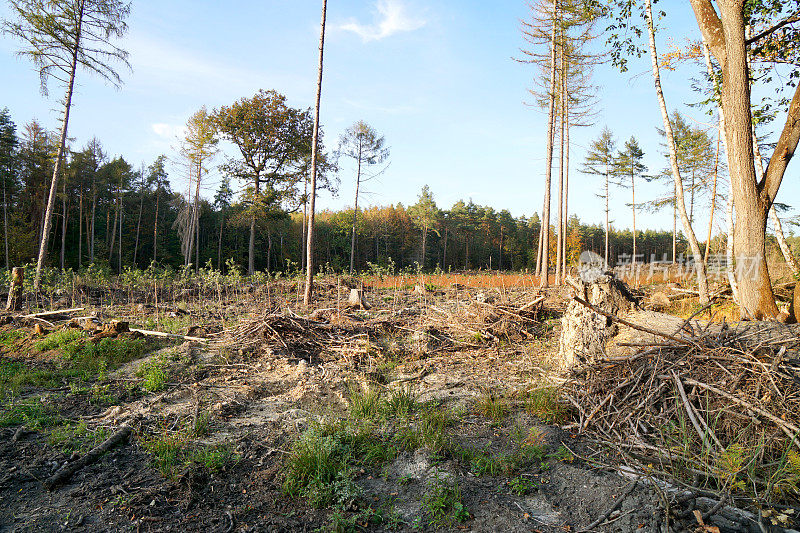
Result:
{"points": [[436, 77]]}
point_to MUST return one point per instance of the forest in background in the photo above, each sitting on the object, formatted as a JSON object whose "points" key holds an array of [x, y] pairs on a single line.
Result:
{"points": [[100, 193]]}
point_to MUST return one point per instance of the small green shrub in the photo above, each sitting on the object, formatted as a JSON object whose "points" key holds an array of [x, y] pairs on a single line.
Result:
{"points": [[154, 373], [521, 486], [442, 504]]}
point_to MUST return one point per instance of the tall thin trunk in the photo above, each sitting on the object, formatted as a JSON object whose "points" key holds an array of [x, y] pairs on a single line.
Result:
{"points": [[219, 244], [310, 237], [251, 248], [155, 226], [51, 199], [303, 234], [545, 266], [113, 234], [608, 220], [444, 251], [63, 223], [700, 266], [80, 227], [120, 233], [560, 230], [138, 224], [355, 210], [633, 211], [566, 185], [5, 221], [713, 200], [94, 217]]}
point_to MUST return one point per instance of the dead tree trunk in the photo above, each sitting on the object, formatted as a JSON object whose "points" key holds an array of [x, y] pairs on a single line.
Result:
{"points": [[15, 290]]}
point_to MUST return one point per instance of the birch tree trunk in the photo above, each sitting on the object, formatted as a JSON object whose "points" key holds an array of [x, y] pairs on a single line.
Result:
{"points": [[700, 267], [51, 199]]}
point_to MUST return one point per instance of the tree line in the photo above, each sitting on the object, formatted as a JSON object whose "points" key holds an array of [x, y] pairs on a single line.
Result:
{"points": [[112, 213]]}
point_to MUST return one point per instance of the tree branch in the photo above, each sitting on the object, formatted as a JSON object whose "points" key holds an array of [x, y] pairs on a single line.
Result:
{"points": [[784, 150], [711, 27], [789, 20]]}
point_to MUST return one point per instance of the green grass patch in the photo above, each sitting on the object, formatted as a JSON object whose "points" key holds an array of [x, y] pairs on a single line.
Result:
{"points": [[10, 337], [492, 406], [545, 403], [154, 373], [16, 375], [77, 437], [442, 504], [173, 452], [320, 466], [32, 413]]}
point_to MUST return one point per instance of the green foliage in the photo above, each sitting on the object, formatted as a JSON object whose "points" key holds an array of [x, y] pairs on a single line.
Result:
{"points": [[77, 437], [15, 375], [545, 403], [173, 451], [64, 339], [492, 406], [10, 337], [442, 504], [154, 373], [521, 486], [32, 413]]}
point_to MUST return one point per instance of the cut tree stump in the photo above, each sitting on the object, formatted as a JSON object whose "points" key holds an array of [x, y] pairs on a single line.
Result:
{"points": [[584, 333], [15, 290], [356, 299]]}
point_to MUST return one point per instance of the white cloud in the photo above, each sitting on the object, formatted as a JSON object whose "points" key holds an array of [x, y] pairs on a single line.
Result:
{"points": [[168, 131], [392, 17]]}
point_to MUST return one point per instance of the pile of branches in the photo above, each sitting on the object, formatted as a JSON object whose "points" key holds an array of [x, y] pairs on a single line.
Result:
{"points": [[718, 405], [287, 333], [485, 321]]}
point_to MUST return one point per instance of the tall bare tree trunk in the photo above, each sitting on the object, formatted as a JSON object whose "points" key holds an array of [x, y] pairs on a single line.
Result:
{"points": [[355, 212], [303, 234], [608, 220], [566, 187], [80, 227], [63, 223], [5, 221], [94, 217], [545, 266], [700, 267], [560, 216], [309, 289], [138, 222], [51, 199], [633, 212], [155, 226]]}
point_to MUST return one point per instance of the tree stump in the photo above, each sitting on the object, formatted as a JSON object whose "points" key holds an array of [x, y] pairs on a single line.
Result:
{"points": [[584, 333], [356, 299], [794, 308], [15, 290]]}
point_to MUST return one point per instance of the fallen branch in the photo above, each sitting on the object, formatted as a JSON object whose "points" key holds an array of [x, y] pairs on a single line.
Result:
{"points": [[57, 312], [66, 471], [611, 509], [168, 335]]}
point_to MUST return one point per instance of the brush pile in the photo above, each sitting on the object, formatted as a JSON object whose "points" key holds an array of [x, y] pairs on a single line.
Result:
{"points": [[706, 401]]}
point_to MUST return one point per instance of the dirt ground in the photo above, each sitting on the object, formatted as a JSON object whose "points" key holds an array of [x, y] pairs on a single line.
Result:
{"points": [[259, 388]]}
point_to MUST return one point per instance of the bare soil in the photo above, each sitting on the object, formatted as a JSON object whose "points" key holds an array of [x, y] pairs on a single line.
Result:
{"points": [[260, 397]]}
